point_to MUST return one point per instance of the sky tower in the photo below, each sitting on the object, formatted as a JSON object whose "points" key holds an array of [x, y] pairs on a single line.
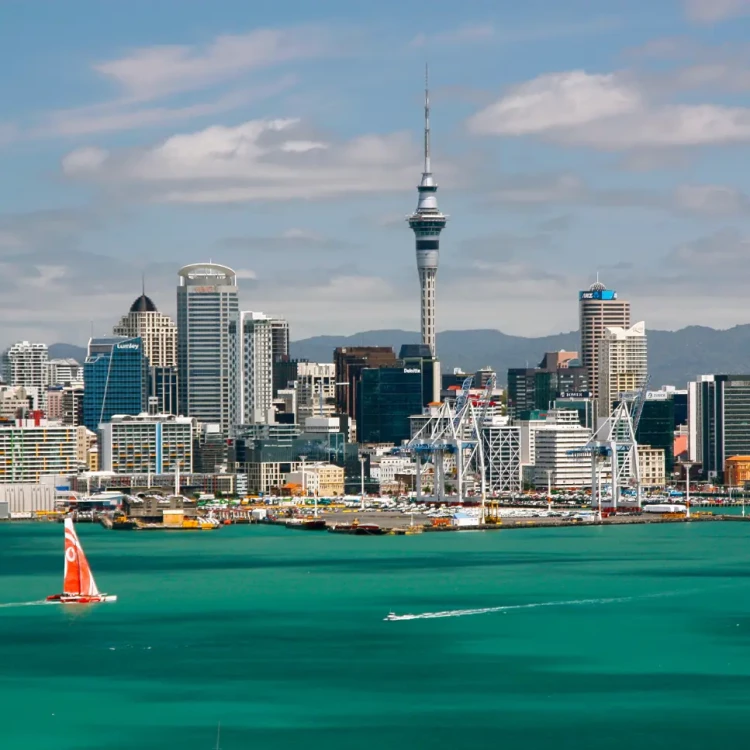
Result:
{"points": [[427, 222]]}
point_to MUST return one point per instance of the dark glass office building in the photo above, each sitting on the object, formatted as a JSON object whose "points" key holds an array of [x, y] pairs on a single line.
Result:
{"points": [[162, 387], [115, 377], [388, 396], [656, 428], [724, 421]]}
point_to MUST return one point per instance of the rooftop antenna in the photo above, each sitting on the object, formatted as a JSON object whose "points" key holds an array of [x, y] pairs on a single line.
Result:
{"points": [[427, 165], [143, 283]]}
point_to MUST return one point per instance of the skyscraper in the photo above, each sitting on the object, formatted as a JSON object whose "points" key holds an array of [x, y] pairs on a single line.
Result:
{"points": [[115, 377], [427, 222], [158, 333], [206, 303], [252, 336], [720, 415], [156, 330], [25, 364], [599, 308], [622, 364]]}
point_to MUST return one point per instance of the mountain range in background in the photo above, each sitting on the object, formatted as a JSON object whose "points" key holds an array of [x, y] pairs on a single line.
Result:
{"points": [[675, 357]]}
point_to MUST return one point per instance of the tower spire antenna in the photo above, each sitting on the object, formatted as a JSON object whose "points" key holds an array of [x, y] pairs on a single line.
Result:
{"points": [[427, 162], [143, 283]]}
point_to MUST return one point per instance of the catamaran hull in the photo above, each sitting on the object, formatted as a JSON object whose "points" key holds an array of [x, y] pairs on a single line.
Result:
{"points": [[65, 599]]}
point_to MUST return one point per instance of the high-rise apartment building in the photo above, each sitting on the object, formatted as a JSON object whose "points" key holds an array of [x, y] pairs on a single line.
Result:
{"points": [[157, 331], [31, 449], [599, 308], [206, 304], [64, 372], [146, 443], [622, 364], [316, 390], [115, 378], [252, 336], [25, 363]]}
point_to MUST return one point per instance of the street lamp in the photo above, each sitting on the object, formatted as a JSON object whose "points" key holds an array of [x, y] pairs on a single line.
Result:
{"points": [[687, 465], [304, 484], [549, 490], [362, 480]]}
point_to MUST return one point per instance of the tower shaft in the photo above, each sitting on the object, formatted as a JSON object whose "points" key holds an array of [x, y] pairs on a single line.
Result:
{"points": [[427, 222]]}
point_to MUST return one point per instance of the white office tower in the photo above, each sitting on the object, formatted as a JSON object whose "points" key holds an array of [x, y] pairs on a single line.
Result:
{"points": [[599, 308], [427, 222], [553, 439], [25, 364], [252, 344], [316, 390], [622, 364], [206, 304], [156, 330]]}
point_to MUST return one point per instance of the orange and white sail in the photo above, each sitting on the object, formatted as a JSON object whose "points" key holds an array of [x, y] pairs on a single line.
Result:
{"points": [[78, 579]]}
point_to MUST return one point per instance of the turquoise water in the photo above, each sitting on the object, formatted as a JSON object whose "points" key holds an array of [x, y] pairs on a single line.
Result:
{"points": [[279, 635]]}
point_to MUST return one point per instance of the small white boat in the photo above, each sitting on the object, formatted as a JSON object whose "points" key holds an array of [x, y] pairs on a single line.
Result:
{"points": [[391, 616], [79, 586]]}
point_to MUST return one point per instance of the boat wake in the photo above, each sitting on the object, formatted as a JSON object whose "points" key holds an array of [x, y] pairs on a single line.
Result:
{"points": [[24, 604], [488, 610]]}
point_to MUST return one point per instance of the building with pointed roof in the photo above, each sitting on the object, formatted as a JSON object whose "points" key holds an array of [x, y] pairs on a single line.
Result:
{"points": [[156, 330]]}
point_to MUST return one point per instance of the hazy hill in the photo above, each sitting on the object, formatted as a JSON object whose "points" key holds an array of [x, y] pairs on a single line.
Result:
{"points": [[674, 356], [66, 351]]}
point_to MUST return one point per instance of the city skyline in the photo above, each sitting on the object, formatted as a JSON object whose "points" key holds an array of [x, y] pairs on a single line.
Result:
{"points": [[587, 142]]}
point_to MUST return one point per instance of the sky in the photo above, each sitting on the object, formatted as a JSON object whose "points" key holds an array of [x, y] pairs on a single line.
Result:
{"points": [[284, 140]]}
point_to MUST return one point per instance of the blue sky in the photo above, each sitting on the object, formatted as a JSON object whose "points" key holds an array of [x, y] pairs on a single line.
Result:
{"points": [[284, 140]]}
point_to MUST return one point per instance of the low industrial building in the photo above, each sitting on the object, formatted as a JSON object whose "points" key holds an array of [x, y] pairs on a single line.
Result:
{"points": [[737, 471], [321, 480]]}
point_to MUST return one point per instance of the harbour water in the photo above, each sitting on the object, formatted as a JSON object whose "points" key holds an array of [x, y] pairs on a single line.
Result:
{"points": [[579, 638]]}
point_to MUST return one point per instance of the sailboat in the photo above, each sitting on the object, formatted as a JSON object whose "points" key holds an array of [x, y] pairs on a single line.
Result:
{"points": [[79, 586]]}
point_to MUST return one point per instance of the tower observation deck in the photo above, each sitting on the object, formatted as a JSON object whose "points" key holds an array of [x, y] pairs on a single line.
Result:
{"points": [[427, 222]]}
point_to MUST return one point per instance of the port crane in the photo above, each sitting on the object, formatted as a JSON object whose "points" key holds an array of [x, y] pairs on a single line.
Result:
{"points": [[614, 442], [455, 431]]}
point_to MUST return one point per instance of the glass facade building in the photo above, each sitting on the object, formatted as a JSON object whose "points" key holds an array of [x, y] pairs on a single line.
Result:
{"points": [[723, 421], [656, 429], [206, 303], [388, 397], [115, 377], [163, 388]]}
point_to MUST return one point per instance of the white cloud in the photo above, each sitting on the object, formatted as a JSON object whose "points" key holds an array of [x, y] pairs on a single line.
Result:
{"points": [[711, 11], [153, 72], [121, 115], [473, 33], [608, 112], [258, 160], [566, 189], [712, 200]]}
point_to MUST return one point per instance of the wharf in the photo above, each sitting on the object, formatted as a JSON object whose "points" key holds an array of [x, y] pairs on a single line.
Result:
{"points": [[399, 523]]}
